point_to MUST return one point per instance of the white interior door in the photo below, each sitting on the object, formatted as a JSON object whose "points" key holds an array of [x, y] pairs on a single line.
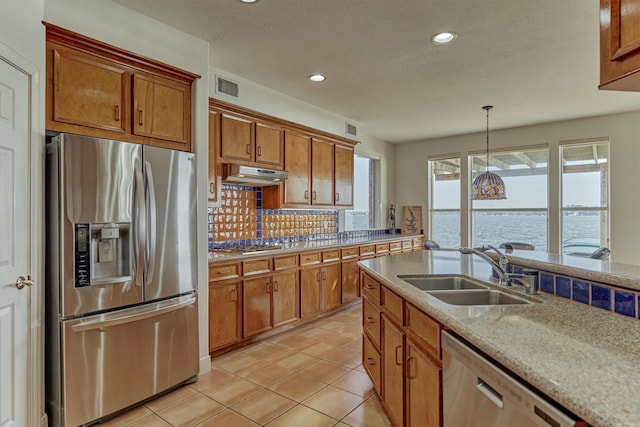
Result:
{"points": [[14, 234]]}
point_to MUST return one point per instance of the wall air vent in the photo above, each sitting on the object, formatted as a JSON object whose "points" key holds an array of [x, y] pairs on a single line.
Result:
{"points": [[227, 87], [350, 129]]}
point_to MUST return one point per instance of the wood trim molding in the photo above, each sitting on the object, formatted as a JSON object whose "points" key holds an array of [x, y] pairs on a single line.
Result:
{"points": [[286, 125], [88, 45]]}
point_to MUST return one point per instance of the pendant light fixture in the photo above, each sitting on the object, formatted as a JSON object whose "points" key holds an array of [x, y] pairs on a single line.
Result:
{"points": [[488, 185]]}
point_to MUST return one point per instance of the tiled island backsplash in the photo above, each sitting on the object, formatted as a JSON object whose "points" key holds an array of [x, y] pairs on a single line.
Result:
{"points": [[240, 219]]}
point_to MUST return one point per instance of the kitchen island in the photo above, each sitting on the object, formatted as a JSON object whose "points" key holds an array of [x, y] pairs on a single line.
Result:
{"points": [[582, 357]]}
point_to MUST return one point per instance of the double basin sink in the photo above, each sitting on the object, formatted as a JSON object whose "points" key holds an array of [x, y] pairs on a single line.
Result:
{"points": [[457, 290]]}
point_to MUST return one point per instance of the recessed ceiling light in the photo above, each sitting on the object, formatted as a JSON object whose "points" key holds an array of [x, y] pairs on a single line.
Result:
{"points": [[249, 1], [444, 38], [317, 78]]}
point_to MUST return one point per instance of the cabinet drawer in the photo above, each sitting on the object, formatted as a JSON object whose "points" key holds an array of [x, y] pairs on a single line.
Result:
{"points": [[407, 244], [392, 304], [284, 262], [224, 271], [395, 246], [367, 250], [349, 252], [371, 289], [382, 248], [424, 329], [310, 258], [332, 255], [371, 362], [256, 266], [371, 322]]}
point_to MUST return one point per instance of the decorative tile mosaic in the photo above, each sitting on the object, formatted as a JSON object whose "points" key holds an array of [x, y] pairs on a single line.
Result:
{"points": [[611, 298], [240, 219]]}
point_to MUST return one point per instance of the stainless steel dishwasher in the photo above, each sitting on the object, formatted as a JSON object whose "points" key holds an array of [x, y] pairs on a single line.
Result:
{"points": [[477, 393]]}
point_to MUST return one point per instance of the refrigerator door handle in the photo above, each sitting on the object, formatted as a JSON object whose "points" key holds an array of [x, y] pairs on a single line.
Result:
{"points": [[141, 224], [129, 318], [151, 214]]}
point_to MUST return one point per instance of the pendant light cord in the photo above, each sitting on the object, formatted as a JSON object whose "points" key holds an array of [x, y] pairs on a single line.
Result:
{"points": [[487, 108]]}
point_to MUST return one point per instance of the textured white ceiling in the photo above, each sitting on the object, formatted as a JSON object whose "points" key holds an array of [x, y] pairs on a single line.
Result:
{"points": [[536, 61]]}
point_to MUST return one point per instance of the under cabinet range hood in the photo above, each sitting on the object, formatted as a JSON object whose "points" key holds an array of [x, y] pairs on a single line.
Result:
{"points": [[248, 175]]}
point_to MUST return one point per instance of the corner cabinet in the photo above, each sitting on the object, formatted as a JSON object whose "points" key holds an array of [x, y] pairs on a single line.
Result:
{"points": [[620, 45], [99, 90]]}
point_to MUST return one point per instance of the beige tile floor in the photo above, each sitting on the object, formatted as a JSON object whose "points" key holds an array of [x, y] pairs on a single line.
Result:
{"points": [[308, 377]]}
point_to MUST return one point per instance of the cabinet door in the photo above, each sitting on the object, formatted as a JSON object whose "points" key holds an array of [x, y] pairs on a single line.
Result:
{"points": [[285, 297], [330, 286], [269, 146], [256, 313], [87, 91], [424, 379], [350, 281], [224, 319], [297, 163], [214, 127], [310, 282], [620, 44], [344, 176], [322, 165], [162, 109], [393, 371], [236, 138]]}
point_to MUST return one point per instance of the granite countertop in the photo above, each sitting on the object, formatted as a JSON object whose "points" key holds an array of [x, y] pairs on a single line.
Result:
{"points": [[583, 357], [307, 246]]}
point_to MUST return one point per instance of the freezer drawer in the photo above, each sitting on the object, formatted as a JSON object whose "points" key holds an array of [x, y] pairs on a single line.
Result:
{"points": [[114, 360]]}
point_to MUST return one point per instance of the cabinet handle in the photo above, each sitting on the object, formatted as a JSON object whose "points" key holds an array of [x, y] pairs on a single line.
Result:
{"points": [[371, 319], [140, 117], [314, 195], [268, 287], [212, 188], [259, 151], [306, 194], [275, 286], [324, 275], [337, 196], [411, 377], [398, 359], [234, 295], [318, 276], [117, 113], [369, 287], [248, 148], [371, 361]]}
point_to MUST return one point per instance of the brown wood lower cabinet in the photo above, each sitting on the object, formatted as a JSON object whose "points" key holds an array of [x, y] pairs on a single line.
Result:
{"points": [[224, 314], [393, 371], [269, 302], [350, 281], [407, 370], [423, 379], [319, 289]]}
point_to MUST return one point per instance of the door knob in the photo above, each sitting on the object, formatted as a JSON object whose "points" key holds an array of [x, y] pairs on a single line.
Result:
{"points": [[21, 282]]}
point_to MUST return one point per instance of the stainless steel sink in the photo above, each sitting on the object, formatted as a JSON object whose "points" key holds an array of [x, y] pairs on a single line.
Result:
{"points": [[478, 297], [441, 283]]}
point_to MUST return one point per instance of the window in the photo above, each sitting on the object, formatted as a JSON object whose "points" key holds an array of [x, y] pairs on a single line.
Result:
{"points": [[362, 217], [585, 197], [522, 217], [445, 201]]}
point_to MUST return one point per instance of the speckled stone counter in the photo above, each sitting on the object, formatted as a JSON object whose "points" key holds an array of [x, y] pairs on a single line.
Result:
{"points": [[308, 246], [583, 357]]}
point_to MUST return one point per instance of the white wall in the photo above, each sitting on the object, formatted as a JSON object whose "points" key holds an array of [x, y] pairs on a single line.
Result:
{"points": [[115, 24], [623, 131], [268, 101]]}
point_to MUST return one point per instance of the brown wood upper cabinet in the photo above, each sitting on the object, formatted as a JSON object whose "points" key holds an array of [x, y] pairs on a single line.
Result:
{"points": [[322, 170], [249, 142], [620, 45], [343, 175], [99, 90]]}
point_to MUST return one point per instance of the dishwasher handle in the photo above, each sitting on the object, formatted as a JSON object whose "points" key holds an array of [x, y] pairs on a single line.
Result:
{"points": [[490, 393]]}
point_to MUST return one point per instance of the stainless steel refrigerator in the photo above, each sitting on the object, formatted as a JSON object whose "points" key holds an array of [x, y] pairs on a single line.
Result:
{"points": [[121, 280]]}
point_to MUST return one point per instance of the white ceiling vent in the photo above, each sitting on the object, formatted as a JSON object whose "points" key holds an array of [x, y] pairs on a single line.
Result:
{"points": [[227, 87], [350, 129]]}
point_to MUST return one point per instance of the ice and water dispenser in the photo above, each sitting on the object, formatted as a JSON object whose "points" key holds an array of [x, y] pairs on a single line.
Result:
{"points": [[102, 253]]}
